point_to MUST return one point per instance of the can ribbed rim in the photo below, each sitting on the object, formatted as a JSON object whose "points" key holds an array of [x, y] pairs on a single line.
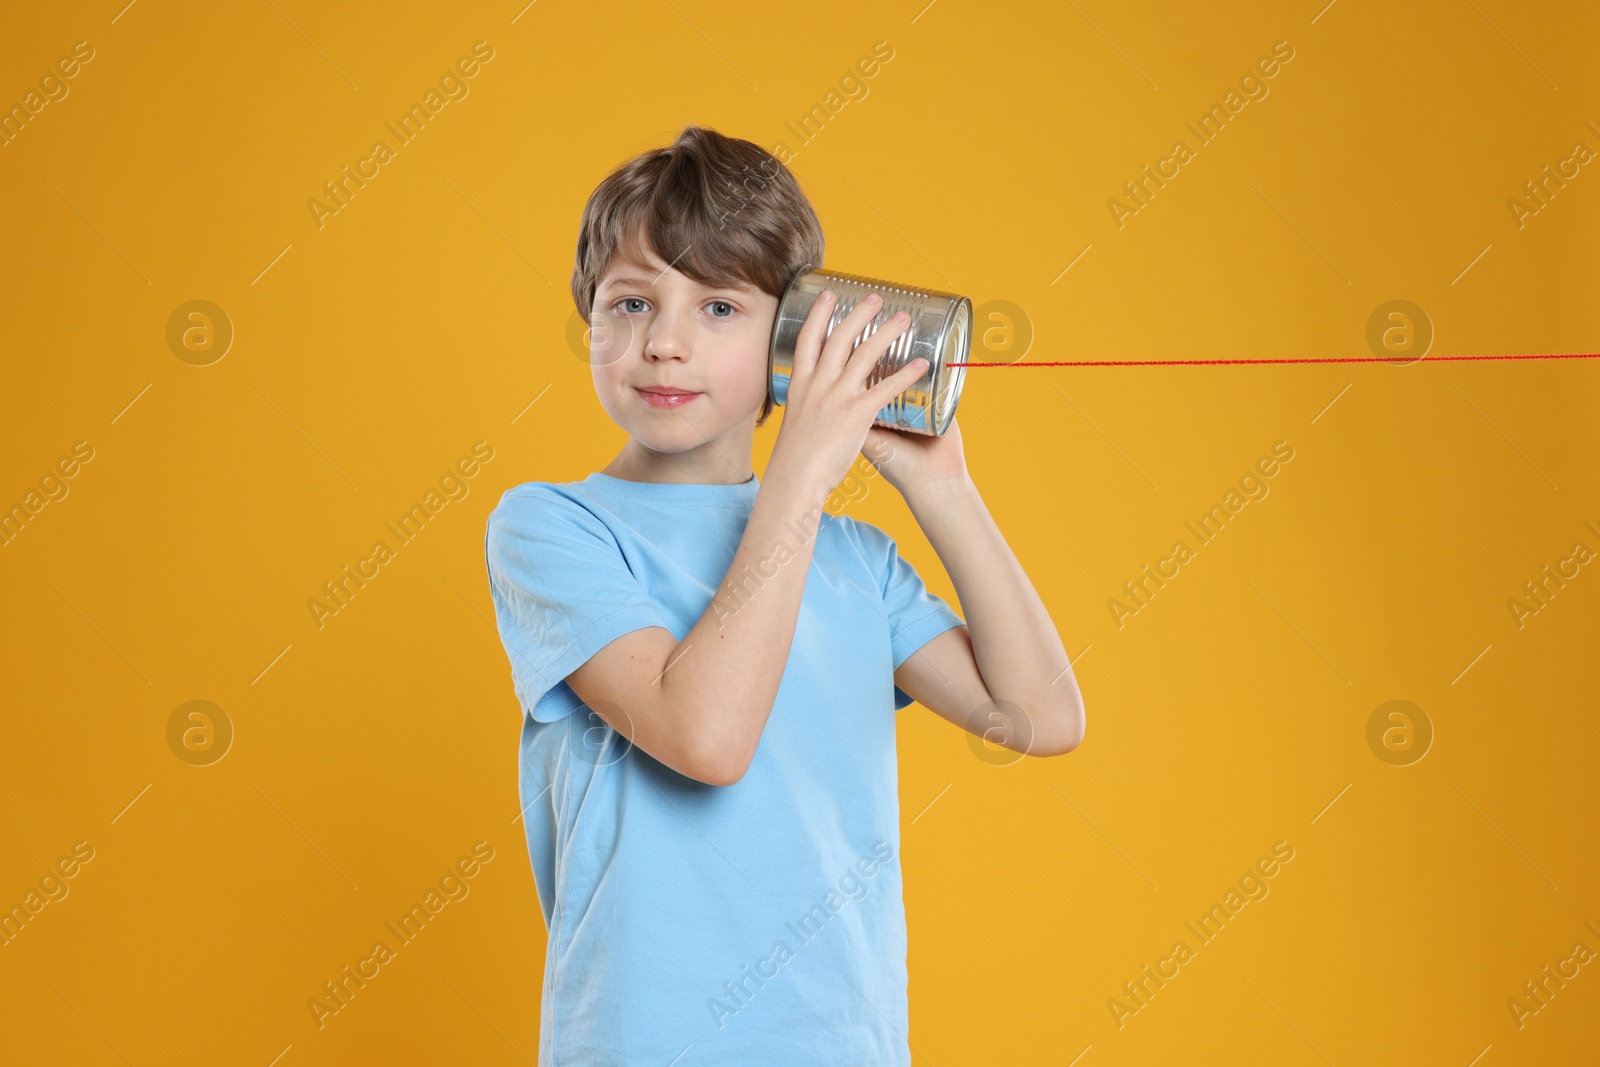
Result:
{"points": [[777, 323], [959, 337]]}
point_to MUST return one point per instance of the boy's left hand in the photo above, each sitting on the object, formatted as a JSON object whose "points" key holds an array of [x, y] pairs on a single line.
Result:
{"points": [[914, 462]]}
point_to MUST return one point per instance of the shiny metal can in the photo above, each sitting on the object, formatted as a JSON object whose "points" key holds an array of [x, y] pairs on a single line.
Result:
{"points": [[940, 332]]}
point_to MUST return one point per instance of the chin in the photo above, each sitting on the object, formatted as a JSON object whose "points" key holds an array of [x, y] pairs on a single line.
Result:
{"points": [[667, 439], [656, 444]]}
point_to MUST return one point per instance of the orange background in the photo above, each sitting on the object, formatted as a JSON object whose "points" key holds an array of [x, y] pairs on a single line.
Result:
{"points": [[1230, 713]]}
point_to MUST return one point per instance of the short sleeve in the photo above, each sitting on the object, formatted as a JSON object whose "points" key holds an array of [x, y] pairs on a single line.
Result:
{"points": [[916, 616], [562, 591]]}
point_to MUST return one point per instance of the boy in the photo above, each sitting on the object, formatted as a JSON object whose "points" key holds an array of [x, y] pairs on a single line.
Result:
{"points": [[710, 663]]}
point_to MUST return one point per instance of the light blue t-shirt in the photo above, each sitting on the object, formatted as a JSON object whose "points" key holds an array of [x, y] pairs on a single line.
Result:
{"points": [[691, 924]]}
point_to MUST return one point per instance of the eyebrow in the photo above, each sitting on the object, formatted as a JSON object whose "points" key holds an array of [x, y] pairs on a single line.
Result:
{"points": [[627, 281], [631, 280]]}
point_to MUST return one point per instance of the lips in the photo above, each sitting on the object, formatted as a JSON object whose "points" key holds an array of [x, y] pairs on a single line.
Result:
{"points": [[666, 397]]}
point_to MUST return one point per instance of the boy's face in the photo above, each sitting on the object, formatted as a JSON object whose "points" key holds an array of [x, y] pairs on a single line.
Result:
{"points": [[669, 332]]}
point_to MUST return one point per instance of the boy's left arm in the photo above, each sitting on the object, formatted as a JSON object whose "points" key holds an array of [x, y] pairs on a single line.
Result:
{"points": [[1008, 652]]}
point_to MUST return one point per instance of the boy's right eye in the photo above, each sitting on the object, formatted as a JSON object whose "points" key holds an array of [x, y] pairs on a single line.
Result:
{"points": [[628, 300]]}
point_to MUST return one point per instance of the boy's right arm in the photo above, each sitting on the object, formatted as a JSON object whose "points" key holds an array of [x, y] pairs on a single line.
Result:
{"points": [[699, 706]]}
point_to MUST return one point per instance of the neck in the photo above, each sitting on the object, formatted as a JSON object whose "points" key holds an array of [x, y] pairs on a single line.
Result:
{"points": [[711, 463]]}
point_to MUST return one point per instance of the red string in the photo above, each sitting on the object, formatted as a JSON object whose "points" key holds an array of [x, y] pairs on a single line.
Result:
{"points": [[1219, 362]]}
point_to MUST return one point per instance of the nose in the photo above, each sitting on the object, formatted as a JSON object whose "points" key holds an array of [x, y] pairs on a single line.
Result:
{"points": [[666, 338]]}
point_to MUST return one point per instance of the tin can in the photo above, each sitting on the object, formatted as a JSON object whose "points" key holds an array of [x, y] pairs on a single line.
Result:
{"points": [[940, 332]]}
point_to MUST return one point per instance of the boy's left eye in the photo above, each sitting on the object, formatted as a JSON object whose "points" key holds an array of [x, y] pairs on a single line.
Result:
{"points": [[624, 305]]}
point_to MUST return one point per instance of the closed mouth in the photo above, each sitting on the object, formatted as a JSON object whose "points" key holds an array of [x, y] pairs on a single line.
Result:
{"points": [[667, 398]]}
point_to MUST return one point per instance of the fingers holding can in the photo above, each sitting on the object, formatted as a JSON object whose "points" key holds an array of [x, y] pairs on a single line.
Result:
{"points": [[842, 342], [868, 355], [812, 333], [885, 391]]}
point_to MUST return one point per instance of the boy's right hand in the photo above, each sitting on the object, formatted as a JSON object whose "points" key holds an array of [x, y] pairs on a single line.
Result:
{"points": [[829, 407]]}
